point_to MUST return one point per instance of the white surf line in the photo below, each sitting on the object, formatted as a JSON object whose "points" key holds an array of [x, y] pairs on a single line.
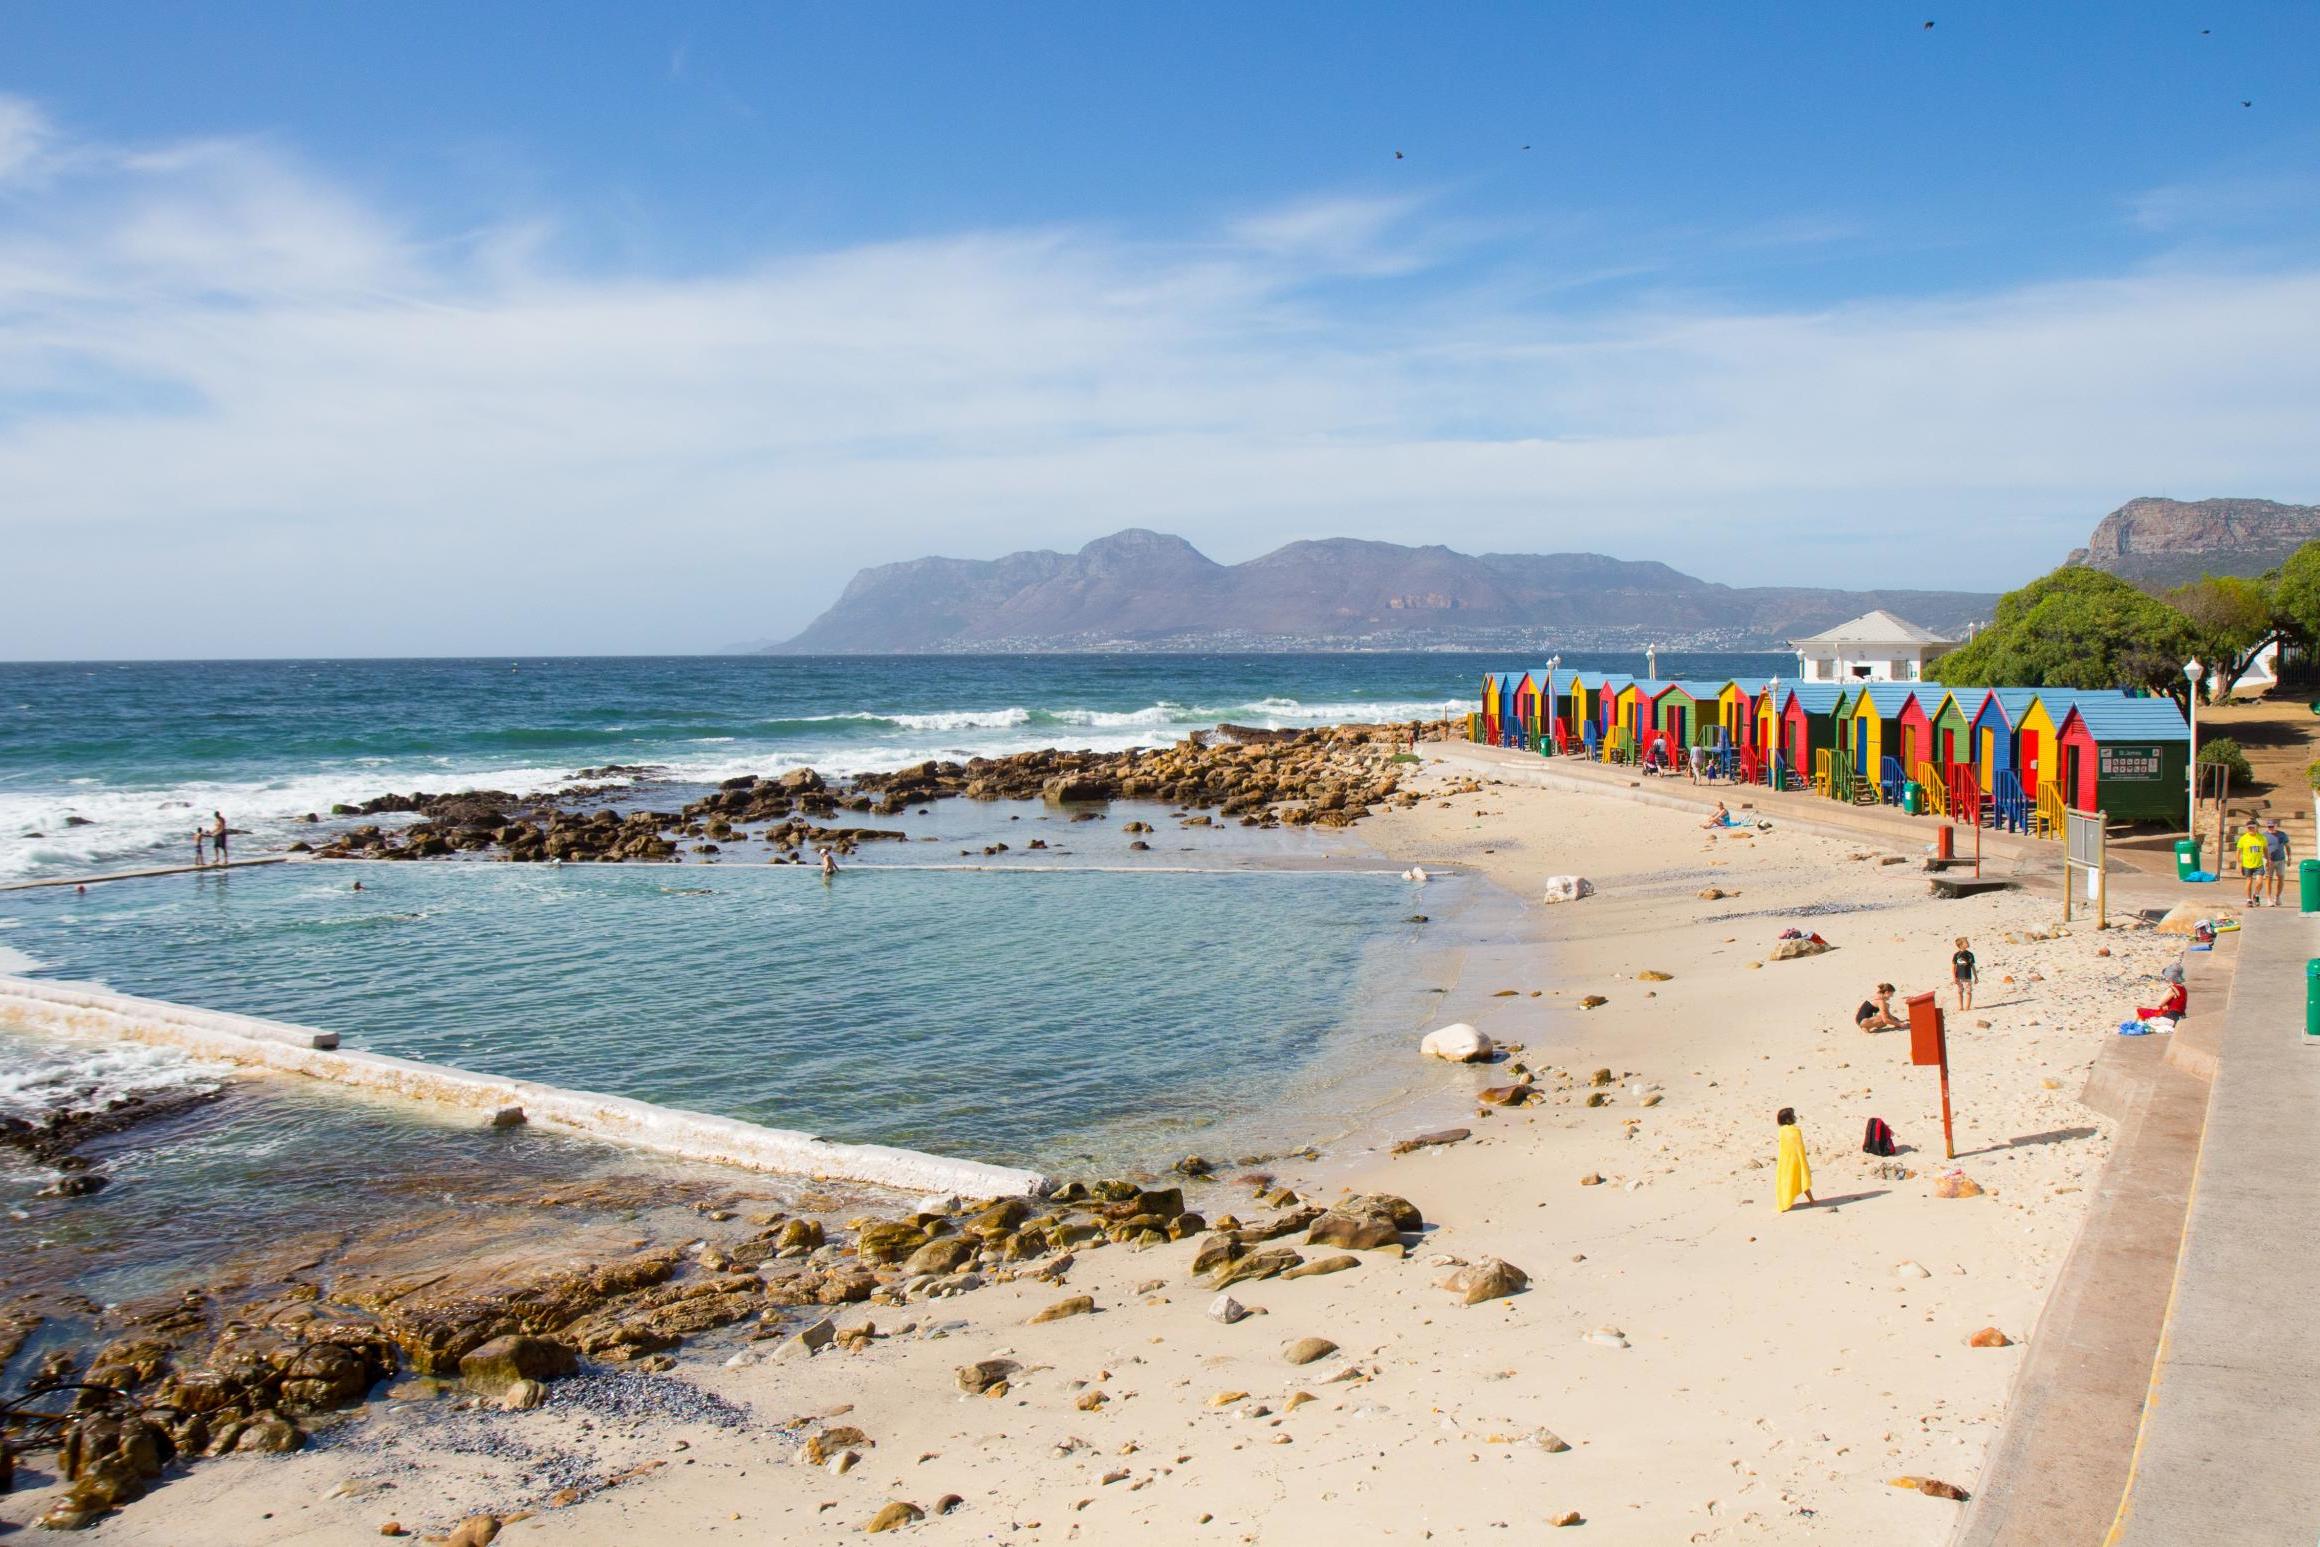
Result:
{"points": [[291, 1049]]}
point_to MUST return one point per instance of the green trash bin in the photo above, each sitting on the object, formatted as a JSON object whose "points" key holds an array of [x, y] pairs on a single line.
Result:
{"points": [[1913, 797], [2186, 858], [2312, 1000], [2308, 880]]}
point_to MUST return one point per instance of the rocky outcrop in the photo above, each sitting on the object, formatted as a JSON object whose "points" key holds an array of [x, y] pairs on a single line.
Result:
{"points": [[2158, 543], [1316, 778]]}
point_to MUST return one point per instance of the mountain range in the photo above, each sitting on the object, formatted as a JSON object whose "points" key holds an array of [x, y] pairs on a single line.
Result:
{"points": [[1147, 590], [1143, 590]]}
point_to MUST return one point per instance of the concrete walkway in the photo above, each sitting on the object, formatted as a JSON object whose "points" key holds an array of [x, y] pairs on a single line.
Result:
{"points": [[2060, 1466], [2229, 1451], [135, 875]]}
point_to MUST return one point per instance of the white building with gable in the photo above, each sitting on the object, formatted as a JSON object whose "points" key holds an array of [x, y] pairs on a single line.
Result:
{"points": [[1874, 647]]}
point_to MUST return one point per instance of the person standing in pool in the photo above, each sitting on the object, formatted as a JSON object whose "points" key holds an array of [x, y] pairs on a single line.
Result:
{"points": [[829, 863], [217, 836], [1962, 973]]}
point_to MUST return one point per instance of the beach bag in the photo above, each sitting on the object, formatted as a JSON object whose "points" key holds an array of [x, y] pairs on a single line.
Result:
{"points": [[1877, 1138]]}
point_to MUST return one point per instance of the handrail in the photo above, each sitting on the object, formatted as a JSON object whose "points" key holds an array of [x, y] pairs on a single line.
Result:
{"points": [[1824, 779], [2051, 808], [1965, 792], [1936, 793], [2009, 806], [1890, 779]]}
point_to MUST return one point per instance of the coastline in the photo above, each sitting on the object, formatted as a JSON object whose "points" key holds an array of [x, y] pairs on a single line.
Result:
{"points": [[1770, 1445]]}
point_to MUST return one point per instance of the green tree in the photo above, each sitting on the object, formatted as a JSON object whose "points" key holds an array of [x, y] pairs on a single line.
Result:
{"points": [[2076, 628], [2232, 620], [2296, 594]]}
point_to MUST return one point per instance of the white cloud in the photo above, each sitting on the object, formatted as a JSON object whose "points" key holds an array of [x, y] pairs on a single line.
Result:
{"points": [[249, 413], [24, 137]]}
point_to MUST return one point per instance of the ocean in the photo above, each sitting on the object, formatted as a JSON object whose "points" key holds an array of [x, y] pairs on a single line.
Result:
{"points": [[112, 763], [1250, 991]]}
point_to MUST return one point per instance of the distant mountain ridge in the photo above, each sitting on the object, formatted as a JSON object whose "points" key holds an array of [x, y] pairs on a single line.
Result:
{"points": [[1143, 589], [2157, 543]]}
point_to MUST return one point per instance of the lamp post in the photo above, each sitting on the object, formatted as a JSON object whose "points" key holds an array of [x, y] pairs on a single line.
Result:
{"points": [[2192, 671]]}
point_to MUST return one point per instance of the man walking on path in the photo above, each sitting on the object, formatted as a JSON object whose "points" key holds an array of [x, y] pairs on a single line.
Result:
{"points": [[2275, 860], [217, 836], [2251, 862]]}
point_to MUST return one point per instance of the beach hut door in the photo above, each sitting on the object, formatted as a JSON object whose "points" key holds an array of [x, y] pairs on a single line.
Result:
{"points": [[2029, 760]]}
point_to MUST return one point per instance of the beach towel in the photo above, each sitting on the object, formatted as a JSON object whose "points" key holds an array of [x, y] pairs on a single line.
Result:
{"points": [[1795, 1175]]}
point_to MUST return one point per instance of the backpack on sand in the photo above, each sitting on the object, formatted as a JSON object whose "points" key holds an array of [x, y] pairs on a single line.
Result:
{"points": [[1877, 1138]]}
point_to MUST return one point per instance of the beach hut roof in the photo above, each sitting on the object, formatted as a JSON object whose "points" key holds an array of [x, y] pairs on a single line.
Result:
{"points": [[1816, 697], [1888, 698], [1876, 627], [2131, 719], [1700, 688]]}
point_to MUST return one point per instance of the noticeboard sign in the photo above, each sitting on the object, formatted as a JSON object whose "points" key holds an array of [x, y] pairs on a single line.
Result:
{"points": [[2129, 762]]}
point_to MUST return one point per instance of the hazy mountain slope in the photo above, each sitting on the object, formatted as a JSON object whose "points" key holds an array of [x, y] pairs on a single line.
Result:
{"points": [[1138, 587]]}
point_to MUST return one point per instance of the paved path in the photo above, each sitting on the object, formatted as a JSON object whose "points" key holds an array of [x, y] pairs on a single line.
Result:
{"points": [[2230, 1445], [2060, 1465]]}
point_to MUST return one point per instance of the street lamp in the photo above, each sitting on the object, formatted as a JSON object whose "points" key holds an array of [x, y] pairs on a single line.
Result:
{"points": [[2192, 671]]}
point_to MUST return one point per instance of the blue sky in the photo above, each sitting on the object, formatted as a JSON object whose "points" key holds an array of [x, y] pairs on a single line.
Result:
{"points": [[630, 328]]}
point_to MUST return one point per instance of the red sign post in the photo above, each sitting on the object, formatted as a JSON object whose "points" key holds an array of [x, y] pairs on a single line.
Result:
{"points": [[1929, 1044]]}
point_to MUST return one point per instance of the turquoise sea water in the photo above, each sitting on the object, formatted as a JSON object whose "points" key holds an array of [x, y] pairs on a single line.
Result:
{"points": [[1243, 992], [1059, 1019]]}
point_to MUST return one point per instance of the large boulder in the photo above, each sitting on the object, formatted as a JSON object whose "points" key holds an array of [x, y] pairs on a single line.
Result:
{"points": [[498, 1364], [1365, 1223], [1457, 1042]]}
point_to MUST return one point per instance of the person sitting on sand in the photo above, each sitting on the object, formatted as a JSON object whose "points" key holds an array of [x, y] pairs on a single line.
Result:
{"points": [[1720, 817], [2171, 1008], [1876, 1012], [1794, 1178]]}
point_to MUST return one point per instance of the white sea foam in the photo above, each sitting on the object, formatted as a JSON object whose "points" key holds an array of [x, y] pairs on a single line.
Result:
{"points": [[958, 719], [155, 825], [90, 1079]]}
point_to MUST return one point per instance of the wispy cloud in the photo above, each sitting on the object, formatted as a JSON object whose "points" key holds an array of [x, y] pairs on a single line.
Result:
{"points": [[228, 377]]}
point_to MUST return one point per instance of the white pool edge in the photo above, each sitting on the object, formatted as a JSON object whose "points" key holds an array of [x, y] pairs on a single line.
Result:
{"points": [[284, 1048]]}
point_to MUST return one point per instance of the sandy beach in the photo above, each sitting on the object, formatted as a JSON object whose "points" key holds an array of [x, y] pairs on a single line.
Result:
{"points": [[1686, 1365]]}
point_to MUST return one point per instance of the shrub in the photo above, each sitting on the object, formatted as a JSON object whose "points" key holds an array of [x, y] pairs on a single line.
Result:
{"points": [[2225, 751], [2312, 775]]}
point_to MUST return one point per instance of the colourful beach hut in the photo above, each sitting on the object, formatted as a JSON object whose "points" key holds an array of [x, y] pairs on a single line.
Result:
{"points": [[1526, 712], [1890, 734], [1509, 724], [1736, 711], [1811, 714], [2125, 757], [1490, 709], [1952, 728], [1675, 713]]}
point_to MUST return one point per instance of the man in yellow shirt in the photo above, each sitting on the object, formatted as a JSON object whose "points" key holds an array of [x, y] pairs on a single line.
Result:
{"points": [[2251, 859]]}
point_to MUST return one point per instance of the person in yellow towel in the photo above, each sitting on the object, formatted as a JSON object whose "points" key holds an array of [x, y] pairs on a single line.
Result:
{"points": [[1794, 1179]]}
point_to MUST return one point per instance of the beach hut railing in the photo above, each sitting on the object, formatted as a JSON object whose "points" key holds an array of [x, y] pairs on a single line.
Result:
{"points": [[1965, 793], [2009, 808], [1936, 791], [1890, 779], [2051, 807]]}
